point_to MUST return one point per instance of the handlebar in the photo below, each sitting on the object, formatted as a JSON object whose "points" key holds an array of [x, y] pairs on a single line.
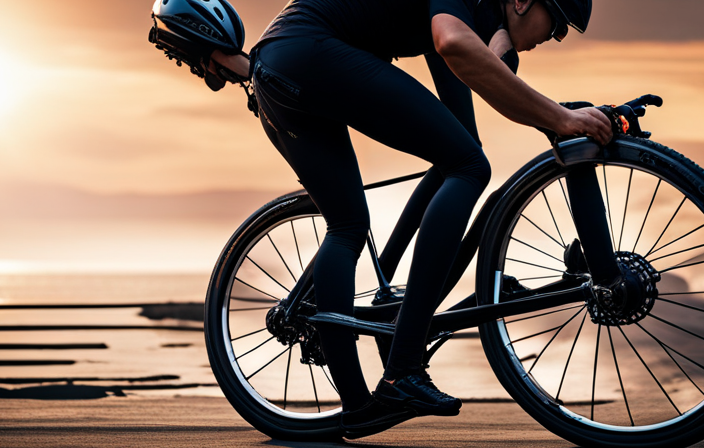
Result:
{"points": [[623, 118]]}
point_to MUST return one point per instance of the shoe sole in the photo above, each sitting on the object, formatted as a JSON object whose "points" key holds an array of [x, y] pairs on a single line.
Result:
{"points": [[379, 426]]}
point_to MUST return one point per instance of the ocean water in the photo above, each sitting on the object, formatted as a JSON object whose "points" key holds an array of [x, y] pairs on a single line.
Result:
{"points": [[176, 353], [139, 353]]}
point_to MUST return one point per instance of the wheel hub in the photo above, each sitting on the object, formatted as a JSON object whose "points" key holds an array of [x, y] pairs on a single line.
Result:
{"points": [[631, 298], [296, 330]]}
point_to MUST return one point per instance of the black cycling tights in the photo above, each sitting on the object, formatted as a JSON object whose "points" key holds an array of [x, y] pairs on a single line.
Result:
{"points": [[310, 89]]}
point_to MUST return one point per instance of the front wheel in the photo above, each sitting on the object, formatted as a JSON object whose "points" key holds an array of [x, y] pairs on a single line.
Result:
{"points": [[635, 379]]}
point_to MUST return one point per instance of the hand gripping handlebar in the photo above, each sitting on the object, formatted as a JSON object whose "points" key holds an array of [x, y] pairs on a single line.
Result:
{"points": [[623, 118]]}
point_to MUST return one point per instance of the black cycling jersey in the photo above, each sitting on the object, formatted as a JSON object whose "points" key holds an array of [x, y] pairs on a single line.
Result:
{"points": [[386, 28]]}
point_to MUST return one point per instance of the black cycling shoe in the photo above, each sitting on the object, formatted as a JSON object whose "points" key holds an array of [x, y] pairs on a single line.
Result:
{"points": [[372, 418], [417, 392]]}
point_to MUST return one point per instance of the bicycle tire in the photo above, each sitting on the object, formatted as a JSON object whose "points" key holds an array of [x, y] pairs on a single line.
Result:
{"points": [[570, 384], [286, 399]]}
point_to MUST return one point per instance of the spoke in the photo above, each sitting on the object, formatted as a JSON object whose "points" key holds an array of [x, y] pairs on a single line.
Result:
{"points": [[315, 231], [535, 248], [558, 328], [679, 293], [268, 363], [680, 304], [538, 278], [277, 300], [680, 266], [543, 314], [537, 334], [666, 227], [315, 391], [665, 347], [564, 195], [251, 309], [533, 264], [298, 250], [553, 218], [596, 361], [544, 232], [288, 369], [267, 274], [620, 380], [608, 205], [649, 371], [329, 380], [674, 241], [676, 253], [569, 357], [625, 209], [258, 346], [676, 326], [281, 257], [647, 213], [248, 334]]}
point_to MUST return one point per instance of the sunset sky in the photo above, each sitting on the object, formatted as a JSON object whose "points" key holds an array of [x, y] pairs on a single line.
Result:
{"points": [[112, 157]]}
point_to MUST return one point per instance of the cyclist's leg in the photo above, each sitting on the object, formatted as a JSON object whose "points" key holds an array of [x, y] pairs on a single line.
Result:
{"points": [[383, 102], [409, 221], [351, 86], [321, 154]]}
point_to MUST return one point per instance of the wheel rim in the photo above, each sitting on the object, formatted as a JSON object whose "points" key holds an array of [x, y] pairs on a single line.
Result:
{"points": [[634, 377], [271, 373]]}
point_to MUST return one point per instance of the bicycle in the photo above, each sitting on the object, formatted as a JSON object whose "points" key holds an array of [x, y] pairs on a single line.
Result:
{"points": [[558, 249]]}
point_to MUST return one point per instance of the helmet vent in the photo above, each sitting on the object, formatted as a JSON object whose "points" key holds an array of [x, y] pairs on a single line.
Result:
{"points": [[166, 2], [219, 13]]}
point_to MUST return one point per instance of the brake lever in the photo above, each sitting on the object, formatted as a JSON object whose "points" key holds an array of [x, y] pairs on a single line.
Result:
{"points": [[645, 100]]}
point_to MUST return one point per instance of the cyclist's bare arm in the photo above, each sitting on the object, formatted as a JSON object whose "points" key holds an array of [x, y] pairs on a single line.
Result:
{"points": [[478, 67], [237, 63]]}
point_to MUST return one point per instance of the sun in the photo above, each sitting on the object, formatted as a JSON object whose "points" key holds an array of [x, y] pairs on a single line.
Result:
{"points": [[11, 84]]}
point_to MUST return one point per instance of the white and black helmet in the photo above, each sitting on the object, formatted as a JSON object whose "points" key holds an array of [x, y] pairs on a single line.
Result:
{"points": [[190, 30]]}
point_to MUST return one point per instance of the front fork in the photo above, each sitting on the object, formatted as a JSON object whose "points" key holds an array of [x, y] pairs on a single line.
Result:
{"points": [[589, 216]]}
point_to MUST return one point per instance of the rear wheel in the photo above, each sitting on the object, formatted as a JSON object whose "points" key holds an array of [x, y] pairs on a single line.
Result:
{"points": [[277, 381], [594, 378]]}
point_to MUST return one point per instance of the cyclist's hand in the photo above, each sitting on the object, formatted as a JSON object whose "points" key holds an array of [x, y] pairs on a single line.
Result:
{"points": [[500, 43], [588, 121]]}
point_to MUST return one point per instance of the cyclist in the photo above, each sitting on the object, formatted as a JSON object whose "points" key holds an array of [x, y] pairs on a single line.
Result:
{"points": [[325, 65]]}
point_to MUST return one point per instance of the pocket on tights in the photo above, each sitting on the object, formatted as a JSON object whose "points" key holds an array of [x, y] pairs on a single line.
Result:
{"points": [[276, 86]]}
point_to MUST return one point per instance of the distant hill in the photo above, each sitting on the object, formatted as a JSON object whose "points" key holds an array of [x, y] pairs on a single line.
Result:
{"points": [[51, 202]]}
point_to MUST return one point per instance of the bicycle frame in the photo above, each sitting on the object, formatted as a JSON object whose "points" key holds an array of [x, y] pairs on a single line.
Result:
{"points": [[374, 320]]}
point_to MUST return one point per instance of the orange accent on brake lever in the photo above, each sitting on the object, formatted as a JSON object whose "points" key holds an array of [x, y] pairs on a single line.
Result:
{"points": [[625, 125]]}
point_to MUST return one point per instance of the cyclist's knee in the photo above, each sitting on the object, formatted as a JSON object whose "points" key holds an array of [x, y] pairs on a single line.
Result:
{"points": [[484, 171], [350, 234], [473, 167]]}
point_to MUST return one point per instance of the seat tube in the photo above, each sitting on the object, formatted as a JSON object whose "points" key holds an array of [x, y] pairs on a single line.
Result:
{"points": [[589, 216]]}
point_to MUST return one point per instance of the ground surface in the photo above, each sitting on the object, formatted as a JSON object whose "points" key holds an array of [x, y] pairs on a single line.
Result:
{"points": [[203, 421]]}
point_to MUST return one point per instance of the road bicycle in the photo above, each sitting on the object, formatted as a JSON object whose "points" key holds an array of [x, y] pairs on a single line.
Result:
{"points": [[588, 298]]}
